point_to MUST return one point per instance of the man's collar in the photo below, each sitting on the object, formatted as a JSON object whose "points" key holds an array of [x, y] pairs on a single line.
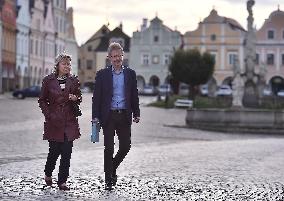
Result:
{"points": [[121, 70]]}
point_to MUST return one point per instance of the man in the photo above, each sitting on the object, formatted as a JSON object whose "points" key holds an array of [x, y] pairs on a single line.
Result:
{"points": [[115, 100]]}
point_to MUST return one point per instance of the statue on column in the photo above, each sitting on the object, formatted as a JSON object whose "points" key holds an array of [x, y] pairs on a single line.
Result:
{"points": [[250, 4], [237, 86]]}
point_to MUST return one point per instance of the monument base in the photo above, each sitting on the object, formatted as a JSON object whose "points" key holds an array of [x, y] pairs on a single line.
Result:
{"points": [[237, 120]]}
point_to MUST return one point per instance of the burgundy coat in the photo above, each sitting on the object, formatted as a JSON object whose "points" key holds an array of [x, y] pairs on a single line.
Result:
{"points": [[58, 110]]}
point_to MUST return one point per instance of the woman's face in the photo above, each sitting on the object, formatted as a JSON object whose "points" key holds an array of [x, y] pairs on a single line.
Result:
{"points": [[64, 67]]}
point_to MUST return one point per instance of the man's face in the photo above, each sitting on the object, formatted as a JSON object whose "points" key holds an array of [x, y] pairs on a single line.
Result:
{"points": [[116, 58]]}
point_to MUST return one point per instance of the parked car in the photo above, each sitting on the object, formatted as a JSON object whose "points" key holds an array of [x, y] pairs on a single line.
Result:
{"points": [[267, 92], [183, 89], [32, 91], [165, 89], [204, 90], [280, 93], [85, 89], [224, 90], [183, 103], [149, 90]]}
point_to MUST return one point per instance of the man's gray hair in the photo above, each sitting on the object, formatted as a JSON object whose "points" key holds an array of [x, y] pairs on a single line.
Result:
{"points": [[114, 46]]}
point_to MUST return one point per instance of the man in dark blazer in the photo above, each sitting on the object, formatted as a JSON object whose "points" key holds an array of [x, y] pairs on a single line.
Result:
{"points": [[115, 103]]}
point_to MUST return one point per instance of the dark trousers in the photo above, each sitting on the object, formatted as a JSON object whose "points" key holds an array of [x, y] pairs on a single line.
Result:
{"points": [[55, 149], [117, 123]]}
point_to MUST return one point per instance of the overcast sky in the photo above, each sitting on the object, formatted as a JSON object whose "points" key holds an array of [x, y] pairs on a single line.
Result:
{"points": [[90, 15]]}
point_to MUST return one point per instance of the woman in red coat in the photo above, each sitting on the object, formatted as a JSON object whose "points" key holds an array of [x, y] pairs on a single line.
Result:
{"points": [[59, 92]]}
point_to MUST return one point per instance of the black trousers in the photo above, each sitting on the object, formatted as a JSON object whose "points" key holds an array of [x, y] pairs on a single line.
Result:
{"points": [[55, 149], [118, 124]]}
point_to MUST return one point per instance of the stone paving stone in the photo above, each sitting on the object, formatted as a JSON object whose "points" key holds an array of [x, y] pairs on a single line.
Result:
{"points": [[151, 172]]}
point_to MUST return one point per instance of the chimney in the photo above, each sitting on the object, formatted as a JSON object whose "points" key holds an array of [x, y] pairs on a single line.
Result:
{"points": [[120, 26]]}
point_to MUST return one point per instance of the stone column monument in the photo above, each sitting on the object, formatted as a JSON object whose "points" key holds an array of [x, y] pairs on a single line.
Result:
{"points": [[250, 98]]}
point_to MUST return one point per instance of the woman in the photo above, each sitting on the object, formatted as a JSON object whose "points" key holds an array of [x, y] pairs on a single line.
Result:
{"points": [[59, 92]]}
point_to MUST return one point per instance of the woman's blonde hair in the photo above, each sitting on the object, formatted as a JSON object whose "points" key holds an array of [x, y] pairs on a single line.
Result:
{"points": [[60, 58]]}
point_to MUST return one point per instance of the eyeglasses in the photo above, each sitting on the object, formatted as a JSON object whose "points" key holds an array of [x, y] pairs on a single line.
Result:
{"points": [[116, 56]]}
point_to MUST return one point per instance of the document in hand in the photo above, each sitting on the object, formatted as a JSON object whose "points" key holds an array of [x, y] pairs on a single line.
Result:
{"points": [[95, 132]]}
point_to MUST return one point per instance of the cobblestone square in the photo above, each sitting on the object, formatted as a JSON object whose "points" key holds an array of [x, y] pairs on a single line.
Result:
{"points": [[164, 163]]}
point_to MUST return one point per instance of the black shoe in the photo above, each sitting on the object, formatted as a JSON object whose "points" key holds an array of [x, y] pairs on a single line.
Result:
{"points": [[48, 181], [114, 180], [63, 187], [108, 186]]}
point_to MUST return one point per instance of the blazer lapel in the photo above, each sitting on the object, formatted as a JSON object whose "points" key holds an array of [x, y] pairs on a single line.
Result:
{"points": [[126, 79], [109, 79]]}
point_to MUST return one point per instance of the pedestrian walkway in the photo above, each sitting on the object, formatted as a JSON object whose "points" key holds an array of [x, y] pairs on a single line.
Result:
{"points": [[6, 95], [203, 170]]}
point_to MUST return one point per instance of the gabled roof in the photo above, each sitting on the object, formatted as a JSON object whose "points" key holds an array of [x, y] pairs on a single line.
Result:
{"points": [[116, 33], [214, 18], [99, 34]]}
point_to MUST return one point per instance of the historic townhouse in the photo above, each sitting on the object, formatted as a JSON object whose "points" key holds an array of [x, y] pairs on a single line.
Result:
{"points": [[48, 39], [8, 16], [270, 49], [36, 43], [59, 11], [93, 54], [87, 60], [71, 43], [223, 38], [116, 35], [1, 36], [150, 52], [23, 27]]}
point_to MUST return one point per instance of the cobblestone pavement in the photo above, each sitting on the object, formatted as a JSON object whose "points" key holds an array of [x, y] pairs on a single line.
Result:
{"points": [[164, 163]]}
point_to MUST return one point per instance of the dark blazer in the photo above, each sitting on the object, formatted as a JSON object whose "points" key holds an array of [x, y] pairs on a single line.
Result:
{"points": [[103, 92], [58, 110]]}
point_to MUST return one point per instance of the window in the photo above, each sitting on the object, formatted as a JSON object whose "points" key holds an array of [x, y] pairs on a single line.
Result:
{"points": [[145, 59], [155, 59], [125, 62], [36, 47], [79, 63], [270, 59], [108, 63], [31, 46], [213, 37], [282, 57], [156, 38], [270, 34], [89, 48], [214, 55], [89, 64], [257, 59], [167, 58], [232, 58]]}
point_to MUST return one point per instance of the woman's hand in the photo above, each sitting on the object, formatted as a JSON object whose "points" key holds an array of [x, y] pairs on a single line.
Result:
{"points": [[72, 97]]}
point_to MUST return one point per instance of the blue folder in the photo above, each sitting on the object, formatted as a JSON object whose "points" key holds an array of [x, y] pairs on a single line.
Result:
{"points": [[95, 132]]}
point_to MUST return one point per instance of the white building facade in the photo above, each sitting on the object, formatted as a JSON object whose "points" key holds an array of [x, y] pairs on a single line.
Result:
{"points": [[151, 50], [23, 38]]}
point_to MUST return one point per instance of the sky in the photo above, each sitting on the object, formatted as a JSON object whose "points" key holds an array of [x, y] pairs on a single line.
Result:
{"points": [[183, 15]]}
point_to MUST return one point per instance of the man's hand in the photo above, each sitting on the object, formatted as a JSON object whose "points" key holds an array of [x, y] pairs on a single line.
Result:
{"points": [[95, 120], [136, 119]]}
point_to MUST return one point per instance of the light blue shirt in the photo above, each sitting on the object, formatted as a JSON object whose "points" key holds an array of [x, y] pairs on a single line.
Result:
{"points": [[118, 97]]}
